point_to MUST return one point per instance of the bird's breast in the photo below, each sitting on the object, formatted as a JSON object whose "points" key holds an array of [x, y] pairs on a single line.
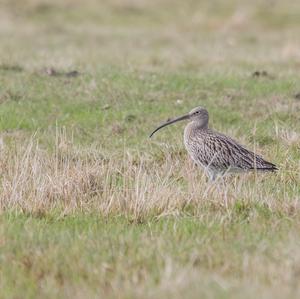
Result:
{"points": [[193, 140]]}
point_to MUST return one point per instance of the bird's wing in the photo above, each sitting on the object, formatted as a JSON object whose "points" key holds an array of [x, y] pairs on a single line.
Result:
{"points": [[223, 152]]}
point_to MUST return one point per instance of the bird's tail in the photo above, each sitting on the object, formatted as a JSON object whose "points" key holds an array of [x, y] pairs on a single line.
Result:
{"points": [[268, 166]]}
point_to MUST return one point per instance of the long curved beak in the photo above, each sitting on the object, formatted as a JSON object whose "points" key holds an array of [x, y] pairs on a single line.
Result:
{"points": [[172, 121]]}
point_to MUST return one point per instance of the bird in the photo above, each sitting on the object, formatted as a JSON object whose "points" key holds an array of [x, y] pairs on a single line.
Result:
{"points": [[215, 152]]}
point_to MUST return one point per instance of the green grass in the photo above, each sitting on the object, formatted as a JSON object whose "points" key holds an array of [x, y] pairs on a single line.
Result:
{"points": [[90, 207], [96, 256]]}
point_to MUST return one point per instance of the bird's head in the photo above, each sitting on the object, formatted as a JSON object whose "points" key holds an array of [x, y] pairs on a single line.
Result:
{"points": [[198, 115]]}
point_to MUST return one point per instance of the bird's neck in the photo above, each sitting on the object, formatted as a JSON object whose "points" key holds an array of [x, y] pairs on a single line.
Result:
{"points": [[198, 125], [194, 128]]}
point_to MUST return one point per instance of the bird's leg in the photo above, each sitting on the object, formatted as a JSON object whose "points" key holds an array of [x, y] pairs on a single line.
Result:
{"points": [[211, 181], [225, 191], [214, 179], [221, 187], [218, 180]]}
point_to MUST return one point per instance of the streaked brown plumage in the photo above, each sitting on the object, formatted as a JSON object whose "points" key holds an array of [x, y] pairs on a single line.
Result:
{"points": [[216, 153]]}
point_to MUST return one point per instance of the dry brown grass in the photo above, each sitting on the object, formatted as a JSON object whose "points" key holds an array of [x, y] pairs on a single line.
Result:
{"points": [[72, 178]]}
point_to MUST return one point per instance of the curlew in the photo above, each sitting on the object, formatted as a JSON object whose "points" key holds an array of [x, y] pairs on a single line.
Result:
{"points": [[216, 153]]}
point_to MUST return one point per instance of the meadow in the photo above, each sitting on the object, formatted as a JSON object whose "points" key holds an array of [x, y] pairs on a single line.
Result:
{"points": [[90, 207]]}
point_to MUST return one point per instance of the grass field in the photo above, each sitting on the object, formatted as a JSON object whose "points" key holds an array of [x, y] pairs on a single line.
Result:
{"points": [[93, 208]]}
